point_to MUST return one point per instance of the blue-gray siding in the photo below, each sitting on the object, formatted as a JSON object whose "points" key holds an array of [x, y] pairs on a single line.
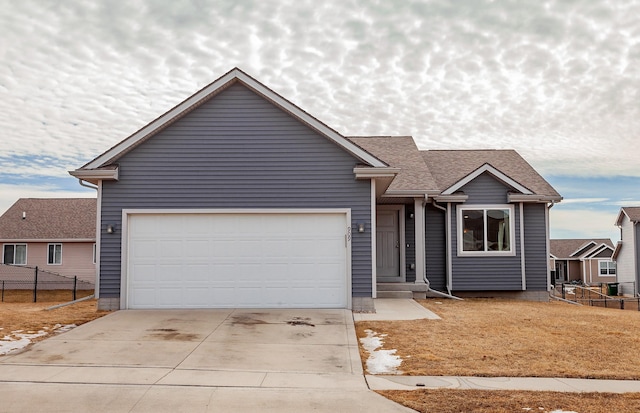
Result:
{"points": [[490, 272], [436, 248], [410, 241], [535, 246], [236, 150]]}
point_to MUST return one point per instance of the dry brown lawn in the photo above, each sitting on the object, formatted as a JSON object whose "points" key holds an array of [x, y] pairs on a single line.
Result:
{"points": [[18, 313], [506, 338], [493, 338], [483, 401]]}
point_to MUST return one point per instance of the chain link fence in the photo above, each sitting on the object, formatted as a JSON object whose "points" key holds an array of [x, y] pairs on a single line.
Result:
{"points": [[19, 279]]}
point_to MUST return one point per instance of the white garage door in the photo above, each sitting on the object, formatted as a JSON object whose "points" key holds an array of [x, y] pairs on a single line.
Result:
{"points": [[221, 260]]}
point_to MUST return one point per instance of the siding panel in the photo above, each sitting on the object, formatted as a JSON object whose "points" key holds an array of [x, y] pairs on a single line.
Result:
{"points": [[435, 246], [535, 246], [236, 151], [488, 273]]}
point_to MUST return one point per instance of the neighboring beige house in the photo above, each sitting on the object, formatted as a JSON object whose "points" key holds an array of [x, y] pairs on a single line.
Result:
{"points": [[54, 234], [586, 260], [627, 252]]}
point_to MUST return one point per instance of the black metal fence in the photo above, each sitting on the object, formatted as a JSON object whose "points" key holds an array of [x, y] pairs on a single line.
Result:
{"points": [[603, 295], [14, 278]]}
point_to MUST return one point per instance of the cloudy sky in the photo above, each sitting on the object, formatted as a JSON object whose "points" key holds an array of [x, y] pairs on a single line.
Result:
{"points": [[558, 81]]}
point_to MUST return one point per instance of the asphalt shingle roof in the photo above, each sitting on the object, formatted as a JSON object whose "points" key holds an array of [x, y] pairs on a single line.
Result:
{"points": [[400, 152], [450, 166], [633, 213], [49, 219], [437, 170], [563, 248]]}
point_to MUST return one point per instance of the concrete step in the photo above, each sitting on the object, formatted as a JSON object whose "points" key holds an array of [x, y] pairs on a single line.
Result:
{"points": [[401, 287], [395, 294]]}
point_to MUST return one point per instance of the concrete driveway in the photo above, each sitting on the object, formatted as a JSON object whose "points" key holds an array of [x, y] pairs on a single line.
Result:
{"points": [[195, 360]]}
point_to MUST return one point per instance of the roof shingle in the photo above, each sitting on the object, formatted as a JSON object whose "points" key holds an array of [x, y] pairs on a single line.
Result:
{"points": [[49, 219], [633, 213], [450, 166], [400, 152], [563, 248]]}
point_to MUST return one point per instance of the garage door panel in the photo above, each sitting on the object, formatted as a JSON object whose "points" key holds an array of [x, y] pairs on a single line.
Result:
{"points": [[237, 260]]}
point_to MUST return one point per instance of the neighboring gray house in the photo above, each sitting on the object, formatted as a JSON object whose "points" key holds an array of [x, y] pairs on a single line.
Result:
{"points": [[238, 198], [627, 252]]}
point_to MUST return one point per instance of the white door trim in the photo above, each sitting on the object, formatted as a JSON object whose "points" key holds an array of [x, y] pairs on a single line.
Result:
{"points": [[401, 238], [127, 213]]}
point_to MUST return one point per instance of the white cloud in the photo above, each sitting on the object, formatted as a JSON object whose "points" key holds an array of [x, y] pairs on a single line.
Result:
{"points": [[583, 200], [583, 223]]}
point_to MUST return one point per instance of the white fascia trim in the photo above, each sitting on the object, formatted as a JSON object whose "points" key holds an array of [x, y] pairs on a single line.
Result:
{"points": [[235, 74], [493, 171], [401, 193], [532, 198], [583, 246], [621, 214], [598, 250], [451, 198], [378, 172], [95, 175]]}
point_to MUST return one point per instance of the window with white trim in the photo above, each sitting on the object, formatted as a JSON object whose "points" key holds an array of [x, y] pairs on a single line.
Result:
{"points": [[607, 268], [14, 254], [486, 230], [54, 257]]}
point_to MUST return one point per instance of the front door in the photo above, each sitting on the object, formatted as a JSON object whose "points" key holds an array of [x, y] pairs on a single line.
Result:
{"points": [[388, 245], [560, 272]]}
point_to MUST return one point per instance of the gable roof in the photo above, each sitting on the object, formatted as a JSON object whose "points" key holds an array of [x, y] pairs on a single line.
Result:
{"points": [[451, 167], [94, 170], [633, 213], [400, 152], [49, 219], [567, 248]]}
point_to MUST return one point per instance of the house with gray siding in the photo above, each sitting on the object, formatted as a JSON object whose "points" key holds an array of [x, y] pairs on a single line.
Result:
{"points": [[238, 198], [627, 251]]}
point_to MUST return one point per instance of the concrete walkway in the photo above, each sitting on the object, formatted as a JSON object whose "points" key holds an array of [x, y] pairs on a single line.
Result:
{"points": [[502, 383]]}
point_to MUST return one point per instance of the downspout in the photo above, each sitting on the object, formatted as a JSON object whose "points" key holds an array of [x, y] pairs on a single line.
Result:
{"points": [[549, 284], [98, 222], [448, 256], [87, 185], [424, 237]]}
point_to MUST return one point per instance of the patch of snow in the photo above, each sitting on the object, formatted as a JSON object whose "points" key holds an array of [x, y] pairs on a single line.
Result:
{"points": [[18, 340], [59, 328], [380, 361]]}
